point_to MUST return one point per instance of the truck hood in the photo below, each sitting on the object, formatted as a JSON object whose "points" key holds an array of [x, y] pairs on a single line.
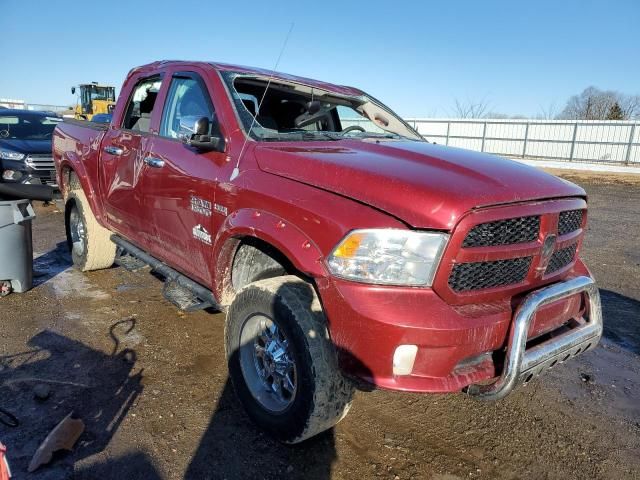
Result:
{"points": [[423, 184], [26, 146]]}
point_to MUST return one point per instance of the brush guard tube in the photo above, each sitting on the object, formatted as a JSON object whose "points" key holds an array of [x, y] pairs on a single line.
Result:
{"points": [[521, 364]]}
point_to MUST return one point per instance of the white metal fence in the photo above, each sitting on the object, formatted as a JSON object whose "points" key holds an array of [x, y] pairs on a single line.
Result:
{"points": [[616, 142]]}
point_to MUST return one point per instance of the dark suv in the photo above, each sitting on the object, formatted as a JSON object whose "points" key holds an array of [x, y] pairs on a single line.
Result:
{"points": [[25, 146]]}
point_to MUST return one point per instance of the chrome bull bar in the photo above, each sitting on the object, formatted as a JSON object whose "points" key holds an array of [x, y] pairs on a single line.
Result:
{"points": [[521, 364]]}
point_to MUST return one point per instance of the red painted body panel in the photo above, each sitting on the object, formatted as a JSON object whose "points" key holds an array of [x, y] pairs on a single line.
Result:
{"points": [[302, 198], [426, 185]]}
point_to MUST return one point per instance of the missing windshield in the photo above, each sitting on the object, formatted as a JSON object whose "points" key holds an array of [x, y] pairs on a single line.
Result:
{"points": [[297, 112]]}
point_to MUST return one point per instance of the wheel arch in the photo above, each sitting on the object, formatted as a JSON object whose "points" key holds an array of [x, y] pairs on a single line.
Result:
{"points": [[71, 172], [276, 237]]}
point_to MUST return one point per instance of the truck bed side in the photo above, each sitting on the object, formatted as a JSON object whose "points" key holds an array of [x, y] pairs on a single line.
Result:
{"points": [[76, 149]]}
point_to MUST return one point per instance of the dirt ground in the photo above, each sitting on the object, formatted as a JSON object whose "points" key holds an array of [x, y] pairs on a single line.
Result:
{"points": [[151, 385]]}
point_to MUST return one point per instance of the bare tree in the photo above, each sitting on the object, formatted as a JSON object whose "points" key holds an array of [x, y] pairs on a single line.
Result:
{"points": [[630, 105], [595, 104], [548, 112], [470, 109], [504, 116]]}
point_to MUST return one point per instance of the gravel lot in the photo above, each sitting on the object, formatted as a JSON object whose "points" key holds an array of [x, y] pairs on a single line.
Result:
{"points": [[151, 385]]}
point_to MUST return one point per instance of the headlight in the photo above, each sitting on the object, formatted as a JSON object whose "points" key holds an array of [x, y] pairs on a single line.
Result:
{"points": [[392, 257], [10, 155]]}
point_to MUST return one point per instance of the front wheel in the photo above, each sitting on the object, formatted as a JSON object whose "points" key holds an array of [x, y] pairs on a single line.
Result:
{"points": [[281, 360]]}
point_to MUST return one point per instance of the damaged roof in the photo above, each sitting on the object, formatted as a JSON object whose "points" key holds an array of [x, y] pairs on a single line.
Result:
{"points": [[339, 89]]}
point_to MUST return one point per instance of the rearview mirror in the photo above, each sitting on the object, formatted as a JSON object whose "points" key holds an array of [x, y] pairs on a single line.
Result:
{"points": [[313, 107]]}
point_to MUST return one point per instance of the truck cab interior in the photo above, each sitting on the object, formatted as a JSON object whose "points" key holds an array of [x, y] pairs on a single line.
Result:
{"points": [[281, 107]]}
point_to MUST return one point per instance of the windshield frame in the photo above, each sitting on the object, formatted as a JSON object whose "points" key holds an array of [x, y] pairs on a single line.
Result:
{"points": [[246, 119]]}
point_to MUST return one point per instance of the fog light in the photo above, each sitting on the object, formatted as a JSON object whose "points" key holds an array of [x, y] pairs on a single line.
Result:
{"points": [[11, 175], [403, 359]]}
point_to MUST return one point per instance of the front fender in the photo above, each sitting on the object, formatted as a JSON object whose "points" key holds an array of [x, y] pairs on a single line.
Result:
{"points": [[291, 241]]}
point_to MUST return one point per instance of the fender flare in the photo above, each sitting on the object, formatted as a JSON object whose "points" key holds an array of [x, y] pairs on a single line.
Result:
{"points": [[72, 163], [286, 237]]}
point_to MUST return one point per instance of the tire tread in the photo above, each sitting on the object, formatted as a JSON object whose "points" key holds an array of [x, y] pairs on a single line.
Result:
{"points": [[333, 392]]}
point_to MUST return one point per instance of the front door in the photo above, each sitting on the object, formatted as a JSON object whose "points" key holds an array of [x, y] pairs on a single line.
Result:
{"points": [[123, 161], [179, 181]]}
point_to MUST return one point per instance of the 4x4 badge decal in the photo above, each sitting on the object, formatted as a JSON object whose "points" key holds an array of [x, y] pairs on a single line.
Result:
{"points": [[200, 233]]}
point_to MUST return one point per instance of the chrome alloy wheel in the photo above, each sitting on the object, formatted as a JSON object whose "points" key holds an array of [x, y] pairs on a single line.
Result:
{"points": [[77, 231], [267, 363]]}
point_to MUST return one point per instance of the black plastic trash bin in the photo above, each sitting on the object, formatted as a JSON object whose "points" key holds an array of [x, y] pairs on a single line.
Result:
{"points": [[16, 249]]}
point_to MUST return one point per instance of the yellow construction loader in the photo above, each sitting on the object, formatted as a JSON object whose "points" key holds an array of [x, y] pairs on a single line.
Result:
{"points": [[93, 99]]}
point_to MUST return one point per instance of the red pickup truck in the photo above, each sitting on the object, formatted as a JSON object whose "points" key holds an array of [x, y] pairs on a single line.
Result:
{"points": [[347, 250]]}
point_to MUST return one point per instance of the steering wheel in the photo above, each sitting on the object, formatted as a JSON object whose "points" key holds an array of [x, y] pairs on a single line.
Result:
{"points": [[352, 128]]}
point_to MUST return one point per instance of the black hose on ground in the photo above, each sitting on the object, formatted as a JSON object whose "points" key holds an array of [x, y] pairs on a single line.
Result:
{"points": [[18, 191]]}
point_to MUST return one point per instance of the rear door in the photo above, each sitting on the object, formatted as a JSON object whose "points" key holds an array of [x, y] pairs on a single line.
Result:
{"points": [[179, 181], [122, 163]]}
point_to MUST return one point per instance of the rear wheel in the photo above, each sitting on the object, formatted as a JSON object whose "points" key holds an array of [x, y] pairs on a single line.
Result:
{"points": [[90, 243], [281, 360]]}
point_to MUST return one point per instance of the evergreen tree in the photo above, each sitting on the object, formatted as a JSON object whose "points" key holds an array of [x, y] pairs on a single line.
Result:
{"points": [[615, 112]]}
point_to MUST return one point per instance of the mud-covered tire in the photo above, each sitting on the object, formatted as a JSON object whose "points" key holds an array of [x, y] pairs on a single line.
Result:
{"points": [[98, 251], [251, 264], [322, 395]]}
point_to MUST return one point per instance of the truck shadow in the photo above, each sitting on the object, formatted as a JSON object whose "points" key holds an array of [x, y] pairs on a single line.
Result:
{"points": [[50, 264], [232, 447], [130, 466], [621, 316], [98, 388]]}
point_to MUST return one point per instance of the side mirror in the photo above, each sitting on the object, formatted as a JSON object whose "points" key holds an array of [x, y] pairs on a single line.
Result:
{"points": [[73, 90], [207, 143], [194, 132], [193, 125]]}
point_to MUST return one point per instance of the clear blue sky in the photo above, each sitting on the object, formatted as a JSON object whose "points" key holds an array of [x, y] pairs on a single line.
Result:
{"points": [[418, 57]]}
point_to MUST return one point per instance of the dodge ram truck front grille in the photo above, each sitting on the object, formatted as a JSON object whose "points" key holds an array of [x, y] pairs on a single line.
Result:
{"points": [[496, 253], [504, 232], [561, 258], [478, 275], [569, 221]]}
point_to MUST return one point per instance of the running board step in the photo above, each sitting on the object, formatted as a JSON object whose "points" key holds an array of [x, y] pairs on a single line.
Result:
{"points": [[182, 297], [129, 262], [179, 289]]}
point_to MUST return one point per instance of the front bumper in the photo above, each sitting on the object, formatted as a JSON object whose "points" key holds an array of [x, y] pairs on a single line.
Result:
{"points": [[27, 174], [522, 363], [457, 346]]}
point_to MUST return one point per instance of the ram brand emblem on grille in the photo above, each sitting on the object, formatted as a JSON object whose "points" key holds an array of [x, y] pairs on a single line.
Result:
{"points": [[548, 246]]}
